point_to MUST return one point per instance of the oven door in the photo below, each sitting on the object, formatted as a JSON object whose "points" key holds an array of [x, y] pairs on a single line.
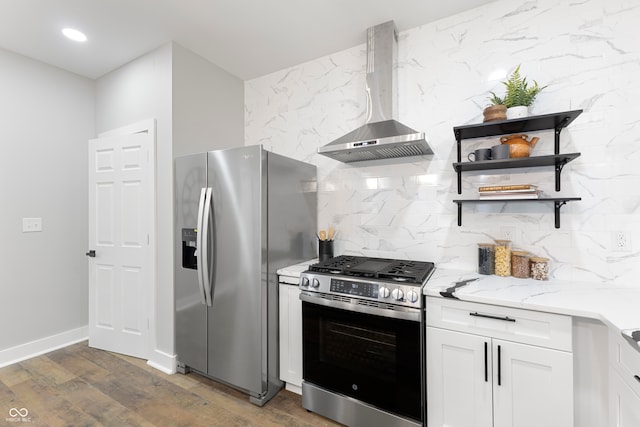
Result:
{"points": [[363, 354]]}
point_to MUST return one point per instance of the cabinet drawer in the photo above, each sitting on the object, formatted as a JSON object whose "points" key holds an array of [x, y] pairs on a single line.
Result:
{"points": [[512, 324], [625, 360]]}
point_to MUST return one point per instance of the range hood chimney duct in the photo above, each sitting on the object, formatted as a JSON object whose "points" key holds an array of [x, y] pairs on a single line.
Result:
{"points": [[382, 137]]}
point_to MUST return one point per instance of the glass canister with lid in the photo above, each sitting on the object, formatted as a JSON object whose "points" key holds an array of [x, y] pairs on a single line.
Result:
{"points": [[539, 268], [486, 259], [520, 264], [503, 257]]}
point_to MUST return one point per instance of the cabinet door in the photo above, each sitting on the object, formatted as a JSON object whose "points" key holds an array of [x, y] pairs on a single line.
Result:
{"points": [[290, 335], [532, 386], [458, 379], [624, 404]]}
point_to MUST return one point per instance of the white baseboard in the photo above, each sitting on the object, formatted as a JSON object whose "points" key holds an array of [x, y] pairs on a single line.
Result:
{"points": [[162, 361], [293, 388], [31, 349]]}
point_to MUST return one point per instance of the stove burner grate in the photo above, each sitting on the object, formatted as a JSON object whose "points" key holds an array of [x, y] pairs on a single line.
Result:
{"points": [[376, 268]]}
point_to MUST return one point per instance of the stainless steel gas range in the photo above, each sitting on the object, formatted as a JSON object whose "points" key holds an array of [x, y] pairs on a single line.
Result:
{"points": [[362, 343]]}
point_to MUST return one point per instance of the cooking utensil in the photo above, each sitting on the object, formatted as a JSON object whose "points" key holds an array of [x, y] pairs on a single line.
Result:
{"points": [[332, 233], [323, 235]]}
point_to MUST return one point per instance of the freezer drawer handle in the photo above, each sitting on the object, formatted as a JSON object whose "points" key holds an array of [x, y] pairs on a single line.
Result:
{"points": [[91, 254], [488, 316]]}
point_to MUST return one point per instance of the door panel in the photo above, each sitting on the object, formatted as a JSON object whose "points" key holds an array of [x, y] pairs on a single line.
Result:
{"points": [[237, 318], [105, 284], [121, 212], [536, 386], [624, 404], [459, 378]]}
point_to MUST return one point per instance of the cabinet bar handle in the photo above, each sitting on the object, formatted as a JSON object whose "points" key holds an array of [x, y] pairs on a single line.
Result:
{"points": [[489, 316], [637, 378], [499, 366], [486, 361]]}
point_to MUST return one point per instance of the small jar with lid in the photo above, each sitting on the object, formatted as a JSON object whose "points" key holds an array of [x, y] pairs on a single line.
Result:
{"points": [[520, 264], [486, 261], [539, 268], [503, 257]]}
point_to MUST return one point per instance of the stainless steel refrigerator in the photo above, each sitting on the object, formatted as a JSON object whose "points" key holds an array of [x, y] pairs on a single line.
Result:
{"points": [[241, 214]]}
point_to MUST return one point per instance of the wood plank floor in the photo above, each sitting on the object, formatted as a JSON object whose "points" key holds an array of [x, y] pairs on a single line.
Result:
{"points": [[82, 386]]}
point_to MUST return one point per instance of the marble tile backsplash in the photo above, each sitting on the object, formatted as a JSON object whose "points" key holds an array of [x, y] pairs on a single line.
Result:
{"points": [[585, 51]]}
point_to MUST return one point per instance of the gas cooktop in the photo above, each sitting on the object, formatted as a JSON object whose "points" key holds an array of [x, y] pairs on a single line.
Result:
{"points": [[406, 271]]}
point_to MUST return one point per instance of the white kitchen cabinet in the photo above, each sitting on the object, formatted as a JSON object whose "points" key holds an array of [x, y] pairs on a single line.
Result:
{"points": [[624, 383], [457, 392], [479, 376], [624, 404], [534, 387], [290, 318]]}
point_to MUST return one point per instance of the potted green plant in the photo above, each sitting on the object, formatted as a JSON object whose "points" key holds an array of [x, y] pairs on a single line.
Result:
{"points": [[520, 95], [496, 111]]}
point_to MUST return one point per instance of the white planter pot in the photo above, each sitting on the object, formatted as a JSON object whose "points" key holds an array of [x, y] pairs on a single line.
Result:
{"points": [[517, 112]]}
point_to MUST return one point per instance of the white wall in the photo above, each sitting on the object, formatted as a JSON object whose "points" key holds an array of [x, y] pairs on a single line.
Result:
{"points": [[585, 51], [47, 117], [197, 107], [208, 105]]}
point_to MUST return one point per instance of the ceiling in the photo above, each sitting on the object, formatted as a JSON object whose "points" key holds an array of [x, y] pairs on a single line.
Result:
{"points": [[248, 38]]}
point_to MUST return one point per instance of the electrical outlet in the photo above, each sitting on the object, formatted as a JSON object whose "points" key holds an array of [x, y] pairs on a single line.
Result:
{"points": [[621, 241], [508, 233], [31, 225]]}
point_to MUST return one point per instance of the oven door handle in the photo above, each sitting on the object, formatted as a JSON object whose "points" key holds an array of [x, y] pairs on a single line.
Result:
{"points": [[406, 314]]}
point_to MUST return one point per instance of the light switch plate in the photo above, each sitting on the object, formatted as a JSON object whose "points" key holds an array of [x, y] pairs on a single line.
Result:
{"points": [[31, 225]]}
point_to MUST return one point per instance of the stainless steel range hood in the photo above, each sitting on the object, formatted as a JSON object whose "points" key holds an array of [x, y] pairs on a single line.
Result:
{"points": [[382, 137]]}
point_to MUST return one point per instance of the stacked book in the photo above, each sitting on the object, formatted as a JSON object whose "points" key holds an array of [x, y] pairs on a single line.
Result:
{"points": [[506, 192]]}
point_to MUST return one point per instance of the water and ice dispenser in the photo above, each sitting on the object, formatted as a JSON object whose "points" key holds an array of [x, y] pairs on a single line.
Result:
{"points": [[189, 253]]}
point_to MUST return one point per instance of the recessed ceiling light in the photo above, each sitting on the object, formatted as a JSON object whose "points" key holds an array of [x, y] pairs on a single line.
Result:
{"points": [[74, 35]]}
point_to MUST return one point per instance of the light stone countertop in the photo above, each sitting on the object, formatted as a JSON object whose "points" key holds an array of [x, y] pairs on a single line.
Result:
{"points": [[617, 307], [296, 269]]}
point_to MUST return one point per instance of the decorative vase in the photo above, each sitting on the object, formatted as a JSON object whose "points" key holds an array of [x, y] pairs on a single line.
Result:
{"points": [[517, 112], [495, 112]]}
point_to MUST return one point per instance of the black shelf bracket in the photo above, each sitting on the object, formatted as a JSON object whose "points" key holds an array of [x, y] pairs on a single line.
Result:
{"points": [[559, 167], [558, 204], [458, 135], [558, 129]]}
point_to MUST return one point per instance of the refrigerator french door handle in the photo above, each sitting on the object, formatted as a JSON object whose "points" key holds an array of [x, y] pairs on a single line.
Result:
{"points": [[199, 246], [207, 279]]}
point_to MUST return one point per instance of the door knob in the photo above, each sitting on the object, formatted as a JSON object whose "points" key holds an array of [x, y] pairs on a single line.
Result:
{"points": [[91, 253]]}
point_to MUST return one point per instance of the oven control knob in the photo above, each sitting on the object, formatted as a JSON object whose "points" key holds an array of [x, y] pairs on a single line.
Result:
{"points": [[397, 294], [304, 282], [383, 292], [412, 296], [315, 283]]}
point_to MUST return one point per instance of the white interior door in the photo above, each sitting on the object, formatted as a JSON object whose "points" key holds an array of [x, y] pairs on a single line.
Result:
{"points": [[121, 227]]}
